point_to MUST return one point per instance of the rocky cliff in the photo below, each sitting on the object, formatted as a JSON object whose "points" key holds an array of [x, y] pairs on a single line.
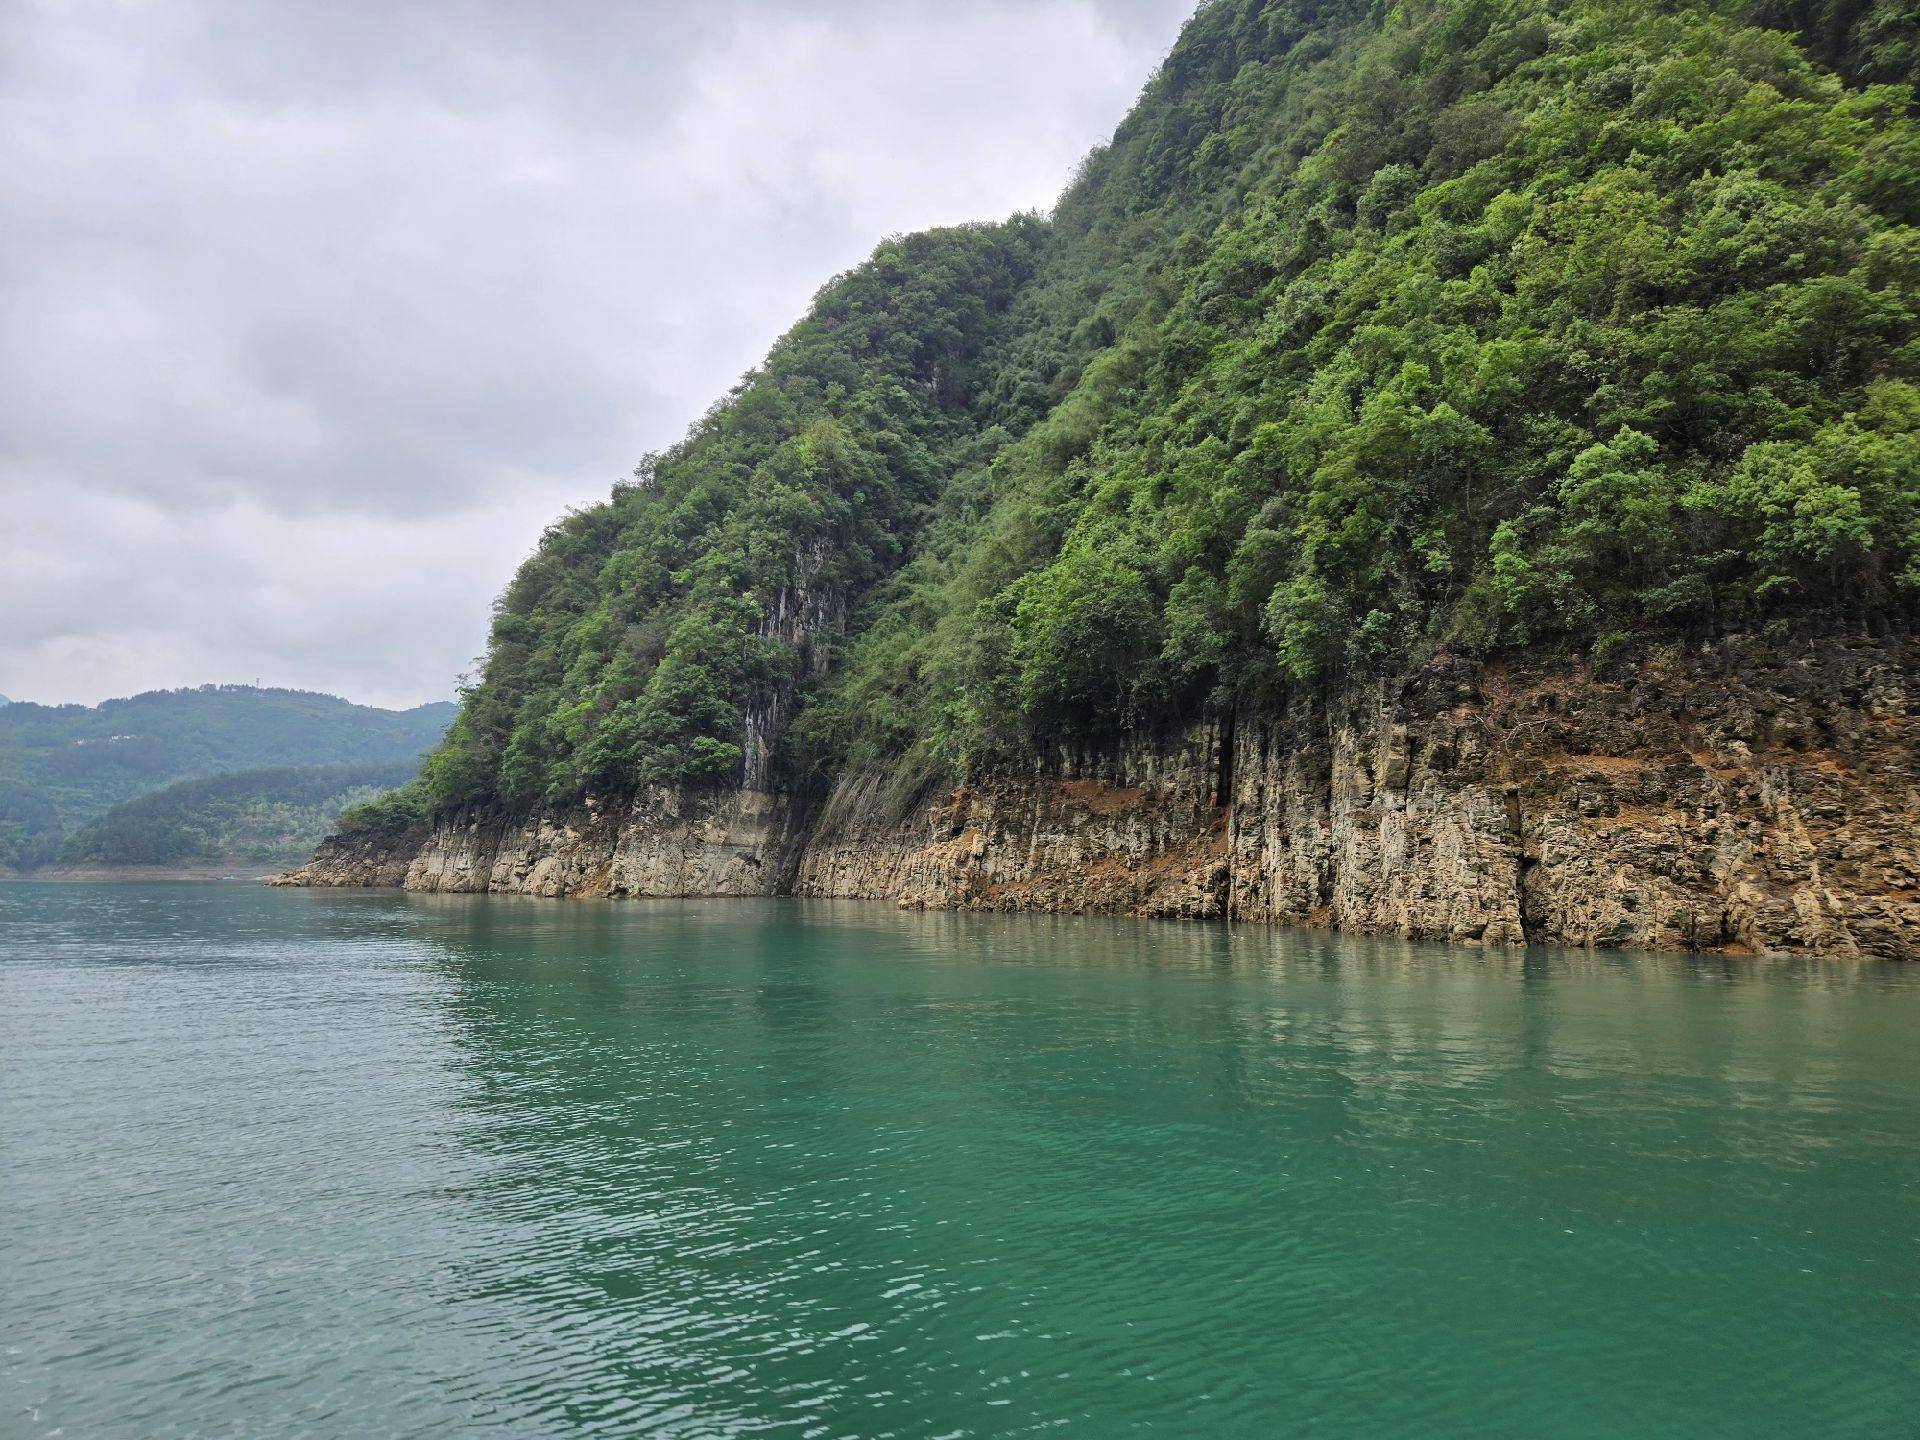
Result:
{"points": [[1747, 796], [667, 843]]}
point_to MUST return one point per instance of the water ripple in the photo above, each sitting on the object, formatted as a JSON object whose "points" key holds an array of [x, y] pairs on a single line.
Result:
{"points": [[286, 1163]]}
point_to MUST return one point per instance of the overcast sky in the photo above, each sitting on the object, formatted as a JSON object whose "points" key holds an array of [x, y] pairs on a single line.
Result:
{"points": [[314, 313]]}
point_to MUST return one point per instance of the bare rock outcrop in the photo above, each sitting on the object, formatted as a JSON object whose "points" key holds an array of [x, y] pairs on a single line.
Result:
{"points": [[1743, 798], [1746, 796], [667, 843]]}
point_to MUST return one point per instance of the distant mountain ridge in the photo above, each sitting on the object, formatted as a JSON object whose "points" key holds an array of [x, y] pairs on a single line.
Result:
{"points": [[63, 765]]}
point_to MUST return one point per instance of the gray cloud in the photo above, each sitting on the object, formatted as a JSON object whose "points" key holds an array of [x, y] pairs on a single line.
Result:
{"points": [[313, 314]]}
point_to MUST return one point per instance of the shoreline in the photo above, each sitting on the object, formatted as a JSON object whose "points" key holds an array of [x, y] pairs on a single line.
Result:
{"points": [[141, 874], [1752, 797]]}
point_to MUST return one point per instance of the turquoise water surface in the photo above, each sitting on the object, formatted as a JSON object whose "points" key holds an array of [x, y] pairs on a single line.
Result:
{"points": [[283, 1163]]}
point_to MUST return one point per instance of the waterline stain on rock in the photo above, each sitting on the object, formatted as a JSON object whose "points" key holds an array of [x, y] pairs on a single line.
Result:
{"points": [[1739, 799]]}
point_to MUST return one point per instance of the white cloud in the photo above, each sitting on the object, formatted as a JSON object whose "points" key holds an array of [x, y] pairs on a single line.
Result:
{"points": [[312, 315], [238, 592]]}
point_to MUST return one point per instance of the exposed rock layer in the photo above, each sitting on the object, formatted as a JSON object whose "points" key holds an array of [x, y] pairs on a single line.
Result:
{"points": [[668, 843], [1743, 797]]}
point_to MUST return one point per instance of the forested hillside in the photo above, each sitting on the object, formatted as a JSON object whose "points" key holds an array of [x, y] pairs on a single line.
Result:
{"points": [[251, 818], [1376, 333], [62, 765]]}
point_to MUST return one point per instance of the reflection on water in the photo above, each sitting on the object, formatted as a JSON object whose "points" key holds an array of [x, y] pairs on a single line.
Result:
{"points": [[372, 1164]]}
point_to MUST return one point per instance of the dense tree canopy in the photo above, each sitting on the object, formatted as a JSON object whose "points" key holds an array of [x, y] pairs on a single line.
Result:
{"points": [[1374, 331]]}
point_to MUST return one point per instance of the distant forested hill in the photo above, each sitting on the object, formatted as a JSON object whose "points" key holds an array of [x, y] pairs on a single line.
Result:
{"points": [[63, 765], [246, 819]]}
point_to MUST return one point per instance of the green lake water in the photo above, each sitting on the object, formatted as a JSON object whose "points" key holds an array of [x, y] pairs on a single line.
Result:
{"points": [[282, 1163]]}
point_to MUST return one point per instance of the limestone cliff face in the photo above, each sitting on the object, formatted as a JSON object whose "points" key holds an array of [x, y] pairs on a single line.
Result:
{"points": [[1138, 829], [357, 860], [1746, 796], [667, 843]]}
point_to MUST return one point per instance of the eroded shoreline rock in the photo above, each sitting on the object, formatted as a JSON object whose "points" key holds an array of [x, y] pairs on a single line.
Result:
{"points": [[1742, 797]]}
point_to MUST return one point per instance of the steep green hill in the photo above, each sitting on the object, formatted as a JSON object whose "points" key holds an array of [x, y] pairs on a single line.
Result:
{"points": [[62, 765], [1375, 331], [250, 818]]}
